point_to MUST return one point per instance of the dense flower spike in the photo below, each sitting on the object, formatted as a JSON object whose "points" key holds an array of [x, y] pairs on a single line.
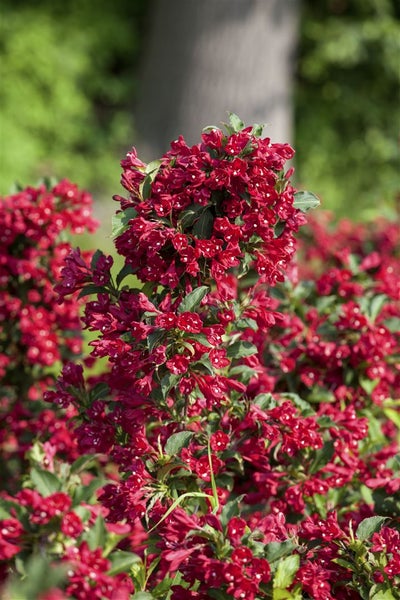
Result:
{"points": [[247, 419], [203, 211]]}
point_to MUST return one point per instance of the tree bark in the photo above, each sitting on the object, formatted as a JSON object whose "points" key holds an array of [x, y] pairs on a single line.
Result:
{"points": [[207, 57]]}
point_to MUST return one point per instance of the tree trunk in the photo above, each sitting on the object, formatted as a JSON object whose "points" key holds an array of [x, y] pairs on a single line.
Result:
{"points": [[207, 57]]}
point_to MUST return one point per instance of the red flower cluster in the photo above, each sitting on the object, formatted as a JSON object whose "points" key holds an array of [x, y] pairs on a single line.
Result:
{"points": [[202, 211], [36, 332]]}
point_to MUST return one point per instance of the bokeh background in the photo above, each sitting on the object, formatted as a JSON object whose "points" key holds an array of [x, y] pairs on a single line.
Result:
{"points": [[84, 80]]}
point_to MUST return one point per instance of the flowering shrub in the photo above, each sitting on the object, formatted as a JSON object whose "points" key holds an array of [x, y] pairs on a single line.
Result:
{"points": [[36, 332], [243, 440]]}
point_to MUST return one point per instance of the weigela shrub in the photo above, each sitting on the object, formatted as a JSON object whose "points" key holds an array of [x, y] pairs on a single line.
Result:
{"points": [[36, 332], [252, 417]]}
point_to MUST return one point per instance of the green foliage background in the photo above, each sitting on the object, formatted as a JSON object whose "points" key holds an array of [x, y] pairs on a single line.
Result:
{"points": [[348, 104], [68, 73], [68, 81]]}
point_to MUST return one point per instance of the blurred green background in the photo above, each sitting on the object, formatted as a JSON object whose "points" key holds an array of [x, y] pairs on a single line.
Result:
{"points": [[69, 81]]}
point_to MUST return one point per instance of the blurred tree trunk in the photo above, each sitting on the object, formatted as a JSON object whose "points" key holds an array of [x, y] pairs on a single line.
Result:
{"points": [[207, 57]]}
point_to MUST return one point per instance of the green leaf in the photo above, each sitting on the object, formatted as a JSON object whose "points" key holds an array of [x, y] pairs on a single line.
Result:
{"points": [[201, 338], [368, 385], [247, 323], [354, 264], [39, 577], [393, 324], [375, 306], [257, 130], [153, 167], [393, 415], [122, 561], [320, 505], [369, 526], [192, 301], [366, 494], [322, 456], [203, 227], [344, 563], [121, 220], [4, 514], [124, 272], [90, 289], [244, 372], [151, 172], [279, 594], [235, 122], [100, 390], [177, 441], [154, 338], [388, 505], [83, 513], [143, 596], [83, 462], [95, 258], [189, 216], [381, 592], [45, 483], [85, 493], [218, 595], [279, 228], [286, 571], [305, 201], [163, 589], [205, 364], [240, 349], [145, 187], [168, 382], [265, 401], [276, 550], [231, 509], [96, 536], [248, 277]]}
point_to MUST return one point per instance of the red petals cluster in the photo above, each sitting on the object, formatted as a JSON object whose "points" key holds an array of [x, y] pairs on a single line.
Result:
{"points": [[204, 210]]}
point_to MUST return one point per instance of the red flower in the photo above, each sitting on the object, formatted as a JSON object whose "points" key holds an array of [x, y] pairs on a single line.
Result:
{"points": [[178, 364], [189, 322], [71, 525], [219, 441]]}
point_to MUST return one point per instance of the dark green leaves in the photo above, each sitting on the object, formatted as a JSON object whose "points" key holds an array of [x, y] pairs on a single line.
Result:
{"points": [[39, 575], [46, 483], [240, 349], [369, 526], [305, 201], [97, 535], [124, 272], [203, 227], [95, 258], [177, 441], [236, 124], [121, 220], [190, 215], [151, 172], [287, 569], [192, 301], [90, 289], [122, 561]]}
